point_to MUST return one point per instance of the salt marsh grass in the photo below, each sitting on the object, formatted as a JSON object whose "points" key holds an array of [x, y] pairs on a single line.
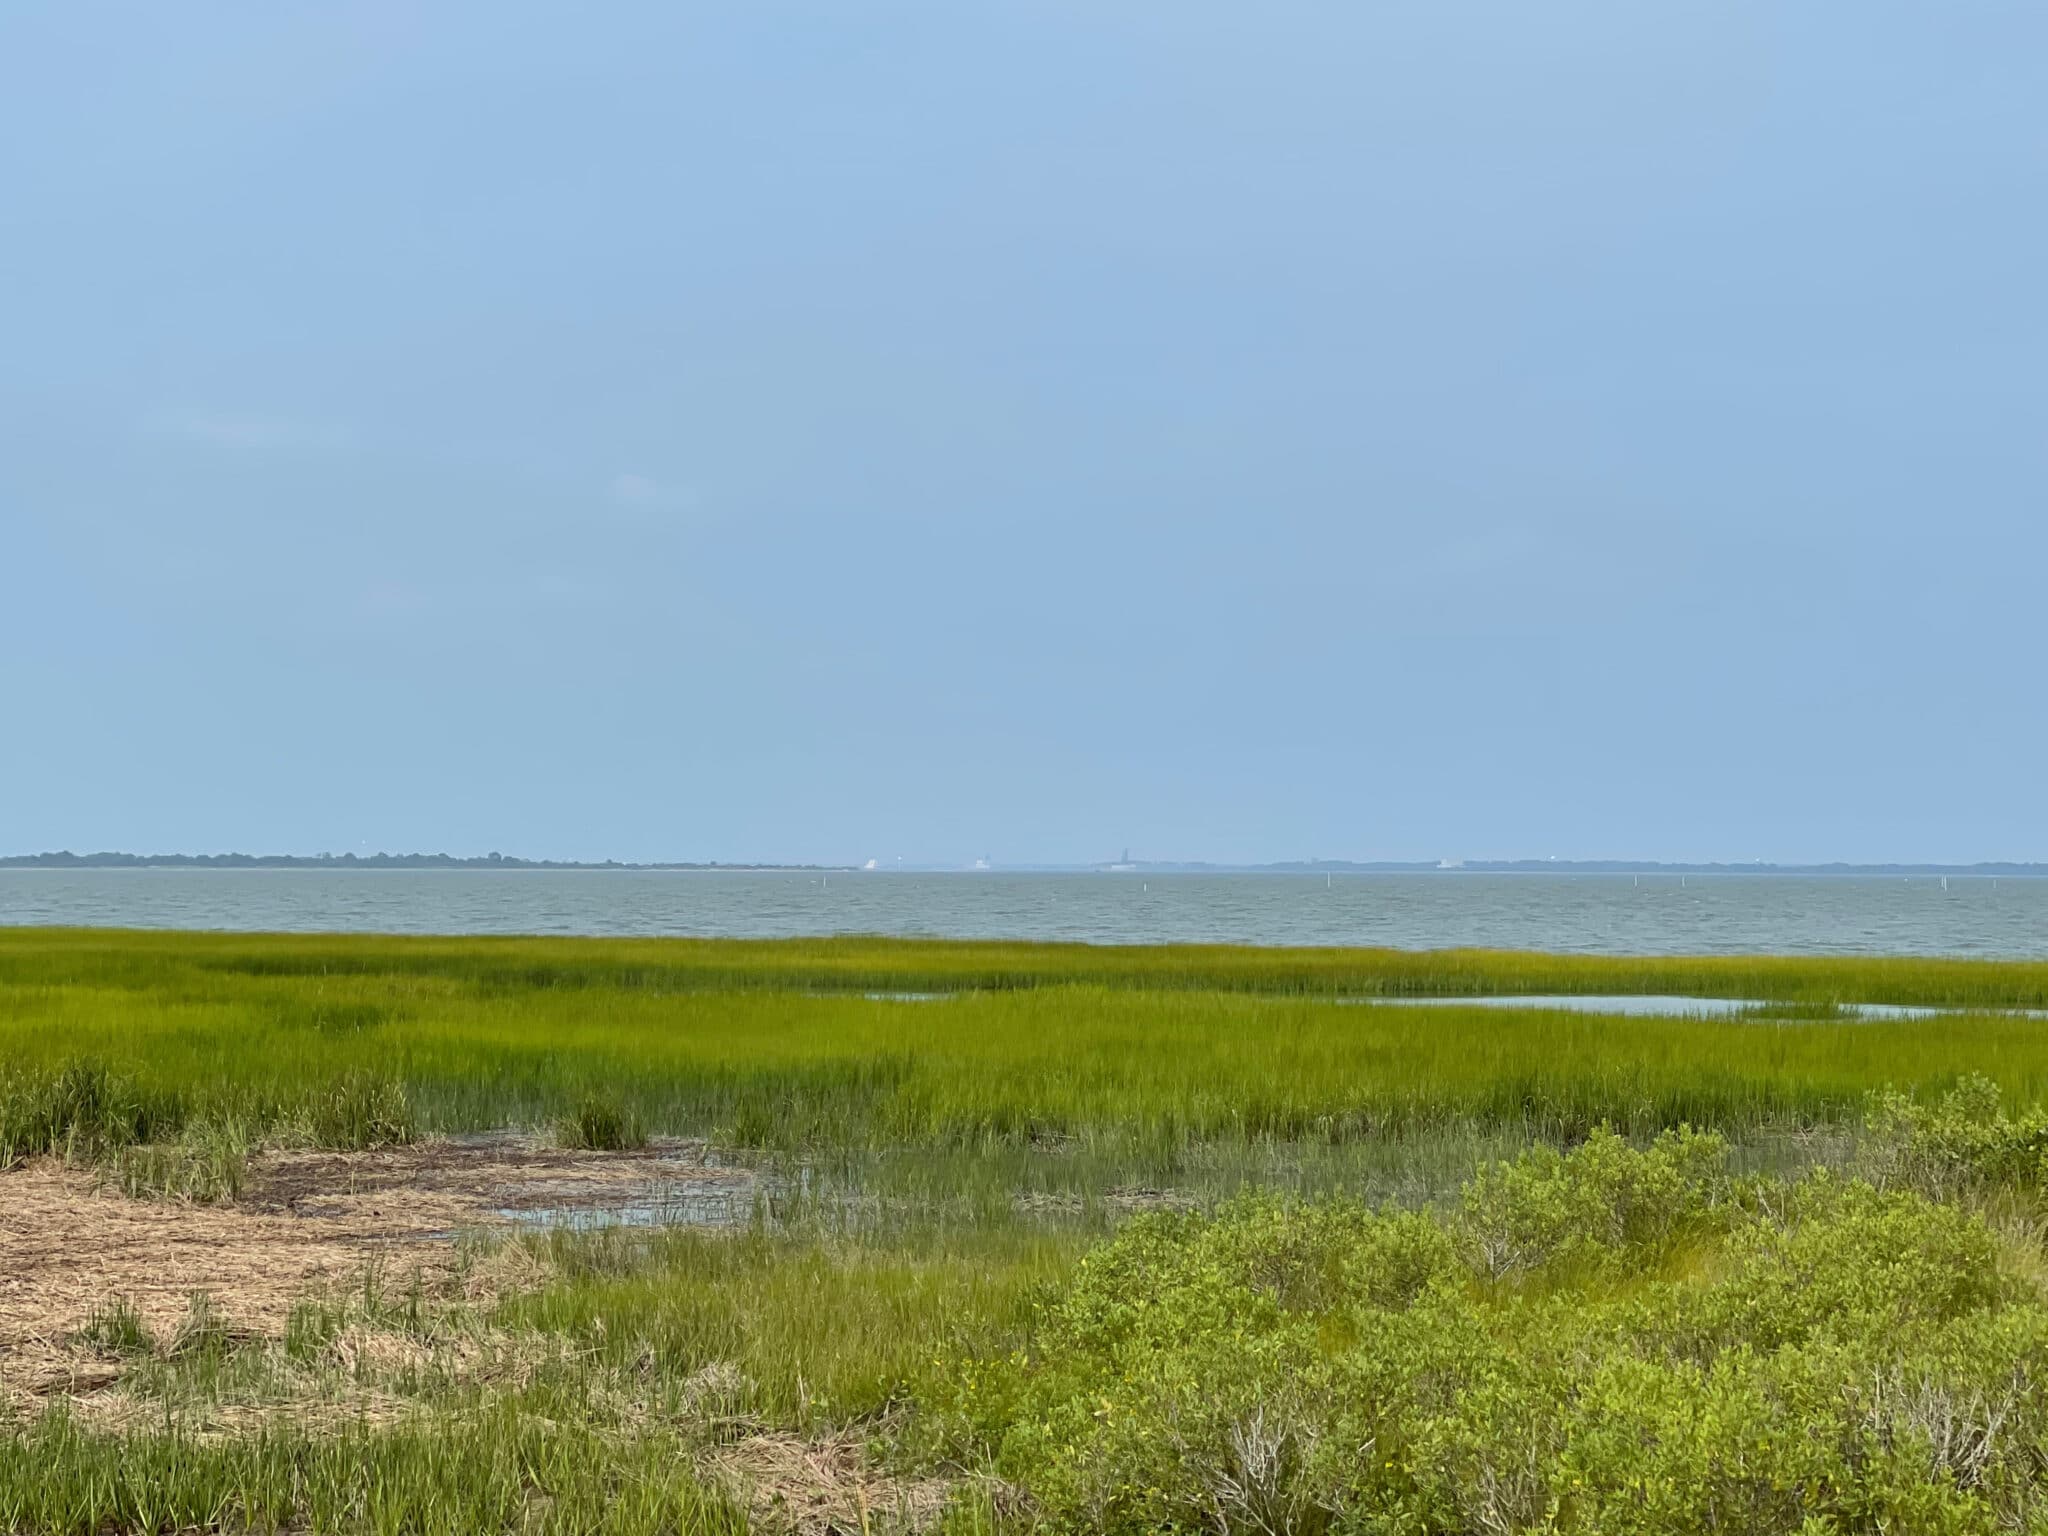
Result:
{"points": [[947, 1296], [861, 964], [1145, 1053]]}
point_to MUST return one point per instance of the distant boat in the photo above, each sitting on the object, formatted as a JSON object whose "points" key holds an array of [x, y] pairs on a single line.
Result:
{"points": [[871, 864]]}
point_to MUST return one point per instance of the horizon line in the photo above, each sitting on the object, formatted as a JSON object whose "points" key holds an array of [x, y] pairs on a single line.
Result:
{"points": [[117, 859]]}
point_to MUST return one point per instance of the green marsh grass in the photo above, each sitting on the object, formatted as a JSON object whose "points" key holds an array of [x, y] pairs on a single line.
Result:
{"points": [[798, 1329], [446, 1475], [114, 1328], [183, 963], [945, 1176], [1145, 1053], [599, 1123]]}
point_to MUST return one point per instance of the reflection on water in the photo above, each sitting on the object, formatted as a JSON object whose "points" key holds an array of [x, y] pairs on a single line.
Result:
{"points": [[717, 1192], [1690, 1007], [658, 1205]]}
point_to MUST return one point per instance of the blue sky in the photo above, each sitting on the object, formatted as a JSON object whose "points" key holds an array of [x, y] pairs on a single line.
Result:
{"points": [[1025, 430]]}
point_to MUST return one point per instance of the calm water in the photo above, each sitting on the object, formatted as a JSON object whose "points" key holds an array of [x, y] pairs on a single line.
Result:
{"points": [[1595, 914]]}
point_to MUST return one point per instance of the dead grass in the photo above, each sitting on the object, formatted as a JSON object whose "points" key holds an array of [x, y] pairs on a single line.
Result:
{"points": [[823, 1487], [310, 1223], [335, 1227], [68, 1244]]}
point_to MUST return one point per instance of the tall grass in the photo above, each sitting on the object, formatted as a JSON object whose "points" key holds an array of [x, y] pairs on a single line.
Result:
{"points": [[500, 1470], [599, 1123], [365, 1040], [912, 1272], [796, 1329], [189, 963]]}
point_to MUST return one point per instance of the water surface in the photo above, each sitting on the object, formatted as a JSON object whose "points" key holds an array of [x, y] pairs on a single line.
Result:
{"points": [[1580, 913]]}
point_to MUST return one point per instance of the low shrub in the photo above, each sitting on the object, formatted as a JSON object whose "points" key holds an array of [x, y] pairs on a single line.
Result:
{"points": [[1962, 1142], [1614, 1340], [1600, 1204]]}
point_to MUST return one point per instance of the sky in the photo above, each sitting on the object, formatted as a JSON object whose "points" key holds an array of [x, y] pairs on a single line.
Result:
{"points": [[1025, 431]]}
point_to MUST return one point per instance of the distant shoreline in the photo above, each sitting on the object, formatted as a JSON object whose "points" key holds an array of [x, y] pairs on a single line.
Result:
{"points": [[382, 862], [432, 862]]}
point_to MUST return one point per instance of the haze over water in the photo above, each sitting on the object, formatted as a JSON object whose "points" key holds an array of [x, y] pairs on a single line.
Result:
{"points": [[1591, 914]]}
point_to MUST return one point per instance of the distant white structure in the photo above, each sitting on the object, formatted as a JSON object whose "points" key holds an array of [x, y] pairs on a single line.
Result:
{"points": [[871, 864]]}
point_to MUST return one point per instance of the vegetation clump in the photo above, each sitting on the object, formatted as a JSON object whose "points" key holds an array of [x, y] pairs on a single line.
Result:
{"points": [[495, 1470], [1960, 1143], [360, 1110], [1611, 1340], [599, 1123], [1393, 1272], [187, 1143], [206, 1162], [115, 1330], [79, 1112]]}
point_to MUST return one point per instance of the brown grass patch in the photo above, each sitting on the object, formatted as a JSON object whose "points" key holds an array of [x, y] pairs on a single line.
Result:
{"points": [[823, 1487], [309, 1222]]}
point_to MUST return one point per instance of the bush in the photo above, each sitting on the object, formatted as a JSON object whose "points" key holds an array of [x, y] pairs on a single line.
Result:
{"points": [[1961, 1143], [1600, 1204], [1612, 1340]]}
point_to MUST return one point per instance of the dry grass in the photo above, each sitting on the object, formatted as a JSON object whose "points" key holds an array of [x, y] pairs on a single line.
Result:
{"points": [[483, 1177], [823, 1486], [69, 1244], [312, 1223]]}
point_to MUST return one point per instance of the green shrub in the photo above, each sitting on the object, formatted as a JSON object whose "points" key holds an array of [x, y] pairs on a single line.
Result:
{"points": [[1607, 1341], [1598, 1204], [1962, 1142]]}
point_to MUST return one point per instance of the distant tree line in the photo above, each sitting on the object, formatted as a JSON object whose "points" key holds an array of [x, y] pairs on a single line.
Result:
{"points": [[65, 859]]}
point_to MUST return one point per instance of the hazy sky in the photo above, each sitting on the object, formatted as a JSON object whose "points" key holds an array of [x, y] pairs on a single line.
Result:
{"points": [[821, 431]]}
